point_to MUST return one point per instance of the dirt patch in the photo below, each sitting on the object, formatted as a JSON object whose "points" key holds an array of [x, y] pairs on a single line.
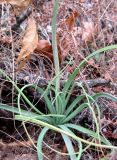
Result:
{"points": [[17, 153]]}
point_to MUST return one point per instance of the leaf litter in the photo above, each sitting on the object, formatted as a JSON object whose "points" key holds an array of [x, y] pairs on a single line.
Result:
{"points": [[90, 33]]}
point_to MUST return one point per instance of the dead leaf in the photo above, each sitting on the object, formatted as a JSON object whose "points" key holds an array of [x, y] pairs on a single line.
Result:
{"points": [[88, 31], [18, 5], [70, 21], [30, 40], [45, 48], [43, 44]]}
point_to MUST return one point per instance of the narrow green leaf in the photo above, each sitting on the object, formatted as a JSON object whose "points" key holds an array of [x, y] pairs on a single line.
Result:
{"points": [[57, 129], [68, 94], [60, 104], [19, 91], [47, 100], [24, 112], [105, 95], [44, 95], [79, 142], [40, 142], [54, 45], [76, 71], [88, 132], [69, 146], [75, 112], [73, 104]]}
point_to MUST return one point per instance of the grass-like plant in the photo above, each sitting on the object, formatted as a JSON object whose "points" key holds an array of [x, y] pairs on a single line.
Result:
{"points": [[60, 110]]}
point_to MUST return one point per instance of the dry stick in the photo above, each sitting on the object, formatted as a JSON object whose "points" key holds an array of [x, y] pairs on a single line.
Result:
{"points": [[91, 82]]}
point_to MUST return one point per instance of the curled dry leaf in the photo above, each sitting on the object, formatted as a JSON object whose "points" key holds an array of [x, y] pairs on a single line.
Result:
{"points": [[88, 32], [44, 48], [70, 21], [30, 40]]}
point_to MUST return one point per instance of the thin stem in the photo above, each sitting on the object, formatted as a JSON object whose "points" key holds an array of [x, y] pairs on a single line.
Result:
{"points": [[55, 51], [54, 45]]}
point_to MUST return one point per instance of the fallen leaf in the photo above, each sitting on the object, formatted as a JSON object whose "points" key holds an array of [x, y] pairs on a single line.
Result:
{"points": [[18, 5], [70, 21], [88, 31], [45, 48], [43, 44], [30, 40]]}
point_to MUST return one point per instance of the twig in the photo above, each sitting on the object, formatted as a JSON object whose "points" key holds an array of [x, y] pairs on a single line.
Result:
{"points": [[42, 82]]}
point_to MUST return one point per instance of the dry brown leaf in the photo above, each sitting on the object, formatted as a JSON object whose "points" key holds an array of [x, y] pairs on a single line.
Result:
{"points": [[88, 31], [30, 40], [45, 48], [18, 5], [43, 44], [70, 21]]}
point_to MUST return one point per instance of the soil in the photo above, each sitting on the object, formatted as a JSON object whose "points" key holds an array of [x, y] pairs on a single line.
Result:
{"points": [[17, 154], [98, 16]]}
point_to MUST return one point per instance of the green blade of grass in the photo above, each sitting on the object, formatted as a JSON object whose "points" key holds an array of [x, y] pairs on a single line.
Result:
{"points": [[23, 112], [60, 104], [44, 117], [40, 142], [105, 95], [69, 147], [76, 71], [19, 91], [67, 96], [44, 94], [75, 112], [57, 129], [88, 132], [92, 110], [79, 143], [80, 151], [73, 104], [54, 44]]}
